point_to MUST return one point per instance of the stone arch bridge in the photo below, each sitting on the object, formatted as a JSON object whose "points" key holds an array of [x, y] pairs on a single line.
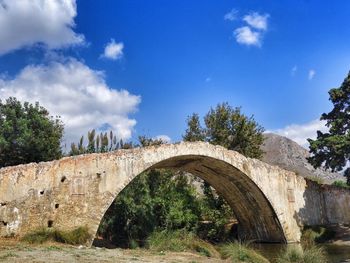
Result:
{"points": [[271, 204]]}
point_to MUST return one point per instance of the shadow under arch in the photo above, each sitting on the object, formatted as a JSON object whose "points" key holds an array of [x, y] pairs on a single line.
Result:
{"points": [[256, 216]]}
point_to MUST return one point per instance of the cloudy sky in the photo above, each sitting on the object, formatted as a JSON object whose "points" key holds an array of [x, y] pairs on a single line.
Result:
{"points": [[141, 67]]}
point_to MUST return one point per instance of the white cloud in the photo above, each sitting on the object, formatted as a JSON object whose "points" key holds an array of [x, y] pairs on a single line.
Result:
{"points": [[311, 74], [244, 35], [78, 94], [24, 23], [294, 70], [252, 33], [256, 20], [301, 132], [232, 15], [113, 50], [163, 138]]}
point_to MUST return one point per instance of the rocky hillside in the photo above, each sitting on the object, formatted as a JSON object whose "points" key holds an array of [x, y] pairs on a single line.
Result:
{"points": [[289, 155]]}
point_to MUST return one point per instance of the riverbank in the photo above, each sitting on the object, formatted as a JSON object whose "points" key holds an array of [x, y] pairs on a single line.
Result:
{"points": [[14, 251], [341, 235]]}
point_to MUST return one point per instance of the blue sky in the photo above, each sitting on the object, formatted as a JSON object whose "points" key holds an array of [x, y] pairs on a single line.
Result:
{"points": [[141, 67]]}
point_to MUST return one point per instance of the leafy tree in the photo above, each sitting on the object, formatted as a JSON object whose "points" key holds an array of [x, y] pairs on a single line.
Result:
{"points": [[194, 131], [228, 127], [28, 133], [157, 199], [332, 149]]}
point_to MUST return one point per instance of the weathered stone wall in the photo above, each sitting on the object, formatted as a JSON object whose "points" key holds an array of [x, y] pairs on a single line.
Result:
{"points": [[270, 203], [325, 205]]}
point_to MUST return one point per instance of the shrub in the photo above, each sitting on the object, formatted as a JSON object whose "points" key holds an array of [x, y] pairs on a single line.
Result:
{"points": [[312, 254], [340, 183], [77, 236], [239, 252], [316, 234]]}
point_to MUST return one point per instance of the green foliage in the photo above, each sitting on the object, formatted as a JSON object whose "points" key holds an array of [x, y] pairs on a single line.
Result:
{"points": [[194, 131], [216, 215], [341, 184], [179, 241], [28, 133], [8, 255], [332, 149], [228, 127], [239, 252], [294, 254], [77, 236], [158, 199]]}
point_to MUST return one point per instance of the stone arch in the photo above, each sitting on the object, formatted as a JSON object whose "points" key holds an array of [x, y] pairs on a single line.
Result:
{"points": [[256, 216]]}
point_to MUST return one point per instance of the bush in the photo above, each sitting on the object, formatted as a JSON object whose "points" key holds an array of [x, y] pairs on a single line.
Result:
{"points": [[341, 184], [239, 252], [77, 236], [312, 254], [316, 234], [179, 241], [39, 236]]}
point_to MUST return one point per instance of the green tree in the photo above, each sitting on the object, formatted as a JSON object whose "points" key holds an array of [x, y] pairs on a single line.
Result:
{"points": [[228, 127], [28, 133], [194, 131], [332, 149], [154, 200]]}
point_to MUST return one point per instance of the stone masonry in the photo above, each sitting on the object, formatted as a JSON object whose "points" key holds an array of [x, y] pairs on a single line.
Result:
{"points": [[271, 204]]}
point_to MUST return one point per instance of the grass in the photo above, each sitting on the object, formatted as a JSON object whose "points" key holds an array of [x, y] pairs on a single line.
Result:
{"points": [[77, 236], [8, 255], [239, 252], [312, 254], [179, 241], [341, 184], [53, 248]]}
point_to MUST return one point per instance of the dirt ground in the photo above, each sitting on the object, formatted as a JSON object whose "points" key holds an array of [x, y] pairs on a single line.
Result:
{"points": [[15, 251]]}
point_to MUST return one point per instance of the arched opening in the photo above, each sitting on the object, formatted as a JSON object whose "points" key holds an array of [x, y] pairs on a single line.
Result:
{"points": [[257, 220]]}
